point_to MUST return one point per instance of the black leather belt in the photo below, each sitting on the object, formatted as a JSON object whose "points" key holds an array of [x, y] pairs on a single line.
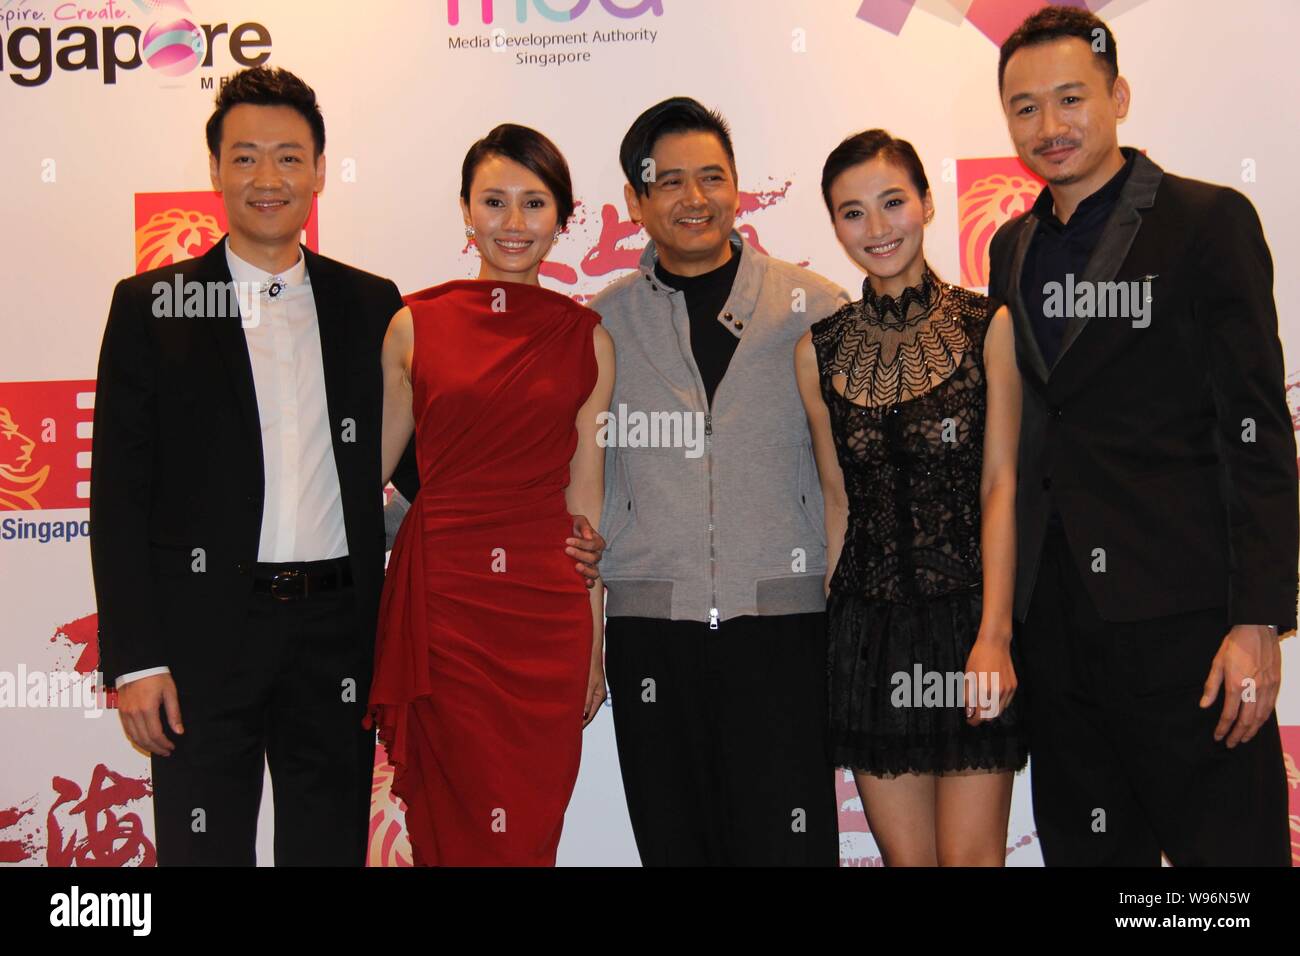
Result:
{"points": [[296, 580]]}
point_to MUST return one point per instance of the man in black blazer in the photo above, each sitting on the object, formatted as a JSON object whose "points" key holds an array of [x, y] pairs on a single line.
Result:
{"points": [[237, 533], [1157, 497]]}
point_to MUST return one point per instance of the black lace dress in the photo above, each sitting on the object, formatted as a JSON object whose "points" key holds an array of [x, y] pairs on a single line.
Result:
{"points": [[905, 598]]}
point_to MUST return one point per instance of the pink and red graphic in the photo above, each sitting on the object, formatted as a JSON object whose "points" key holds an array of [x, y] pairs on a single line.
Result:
{"points": [[1291, 758], [45, 444], [173, 47], [1293, 402], [388, 844], [77, 638], [623, 9], [990, 192], [996, 19]]}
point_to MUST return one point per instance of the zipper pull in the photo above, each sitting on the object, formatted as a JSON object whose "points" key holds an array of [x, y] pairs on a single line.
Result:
{"points": [[708, 428], [713, 619]]}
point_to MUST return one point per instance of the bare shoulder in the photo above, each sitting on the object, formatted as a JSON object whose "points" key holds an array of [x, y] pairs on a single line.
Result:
{"points": [[805, 358], [803, 349], [999, 340], [402, 324], [603, 341], [399, 340]]}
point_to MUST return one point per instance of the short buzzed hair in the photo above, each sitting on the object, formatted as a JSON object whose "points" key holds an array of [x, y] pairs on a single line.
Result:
{"points": [[1058, 22]]}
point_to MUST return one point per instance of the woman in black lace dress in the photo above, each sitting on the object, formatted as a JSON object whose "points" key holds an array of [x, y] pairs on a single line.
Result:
{"points": [[913, 399]]}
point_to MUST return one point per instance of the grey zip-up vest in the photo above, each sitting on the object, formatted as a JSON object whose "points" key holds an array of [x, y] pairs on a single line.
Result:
{"points": [[728, 520]]}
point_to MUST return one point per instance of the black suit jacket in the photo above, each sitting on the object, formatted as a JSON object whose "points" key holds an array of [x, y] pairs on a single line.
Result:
{"points": [[176, 463], [1139, 434]]}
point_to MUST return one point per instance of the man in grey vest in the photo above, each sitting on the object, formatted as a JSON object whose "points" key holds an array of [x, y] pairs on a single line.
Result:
{"points": [[715, 563]]}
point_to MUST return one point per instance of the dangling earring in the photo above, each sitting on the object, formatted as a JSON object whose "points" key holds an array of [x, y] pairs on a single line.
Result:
{"points": [[556, 237], [469, 232]]}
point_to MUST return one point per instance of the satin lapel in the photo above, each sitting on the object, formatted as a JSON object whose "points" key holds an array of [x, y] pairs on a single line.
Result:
{"points": [[1020, 316], [228, 337], [332, 296], [1117, 238]]}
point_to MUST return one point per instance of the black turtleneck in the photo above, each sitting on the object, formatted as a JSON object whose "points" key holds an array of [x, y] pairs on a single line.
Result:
{"points": [[712, 343]]}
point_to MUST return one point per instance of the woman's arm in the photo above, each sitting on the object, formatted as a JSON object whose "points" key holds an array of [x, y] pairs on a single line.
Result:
{"points": [[998, 510], [399, 419], [998, 478], [823, 442], [586, 496]]}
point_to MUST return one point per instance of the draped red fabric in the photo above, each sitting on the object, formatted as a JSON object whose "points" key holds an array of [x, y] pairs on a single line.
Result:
{"points": [[484, 635]]}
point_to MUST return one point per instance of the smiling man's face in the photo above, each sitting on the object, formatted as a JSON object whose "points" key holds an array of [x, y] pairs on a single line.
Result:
{"points": [[267, 173], [692, 203]]}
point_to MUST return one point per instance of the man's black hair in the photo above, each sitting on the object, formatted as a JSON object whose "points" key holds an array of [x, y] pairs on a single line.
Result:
{"points": [[1057, 22], [265, 87], [681, 114]]}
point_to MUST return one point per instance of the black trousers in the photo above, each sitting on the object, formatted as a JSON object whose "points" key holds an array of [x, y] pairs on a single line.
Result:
{"points": [[291, 689], [1123, 761], [722, 740]]}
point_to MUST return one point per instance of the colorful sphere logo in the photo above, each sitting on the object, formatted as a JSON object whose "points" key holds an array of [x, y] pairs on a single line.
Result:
{"points": [[173, 48]]}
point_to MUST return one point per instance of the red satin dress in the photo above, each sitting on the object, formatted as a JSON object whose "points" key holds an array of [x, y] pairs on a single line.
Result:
{"points": [[484, 635]]}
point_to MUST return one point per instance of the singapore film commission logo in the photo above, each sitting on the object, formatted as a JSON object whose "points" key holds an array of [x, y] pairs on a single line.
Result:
{"points": [[45, 445], [36, 39]]}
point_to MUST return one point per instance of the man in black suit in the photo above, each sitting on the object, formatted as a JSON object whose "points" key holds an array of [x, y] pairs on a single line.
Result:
{"points": [[237, 534], [1157, 502]]}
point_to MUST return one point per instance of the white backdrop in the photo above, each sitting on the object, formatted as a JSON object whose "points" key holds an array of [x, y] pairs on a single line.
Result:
{"points": [[88, 162]]}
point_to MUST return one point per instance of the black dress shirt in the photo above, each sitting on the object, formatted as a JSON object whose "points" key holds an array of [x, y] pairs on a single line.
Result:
{"points": [[1060, 249]]}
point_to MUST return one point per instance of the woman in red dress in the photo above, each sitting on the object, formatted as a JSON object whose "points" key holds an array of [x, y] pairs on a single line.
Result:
{"points": [[489, 656]]}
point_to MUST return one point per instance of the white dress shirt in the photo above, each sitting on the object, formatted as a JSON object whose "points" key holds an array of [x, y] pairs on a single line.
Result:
{"points": [[302, 505]]}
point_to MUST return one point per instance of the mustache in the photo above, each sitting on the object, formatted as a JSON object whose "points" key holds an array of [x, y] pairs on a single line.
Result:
{"points": [[1056, 144]]}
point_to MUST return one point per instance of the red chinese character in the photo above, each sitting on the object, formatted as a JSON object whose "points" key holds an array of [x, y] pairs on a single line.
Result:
{"points": [[750, 235], [559, 272], [100, 845], [14, 851], [606, 256]]}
